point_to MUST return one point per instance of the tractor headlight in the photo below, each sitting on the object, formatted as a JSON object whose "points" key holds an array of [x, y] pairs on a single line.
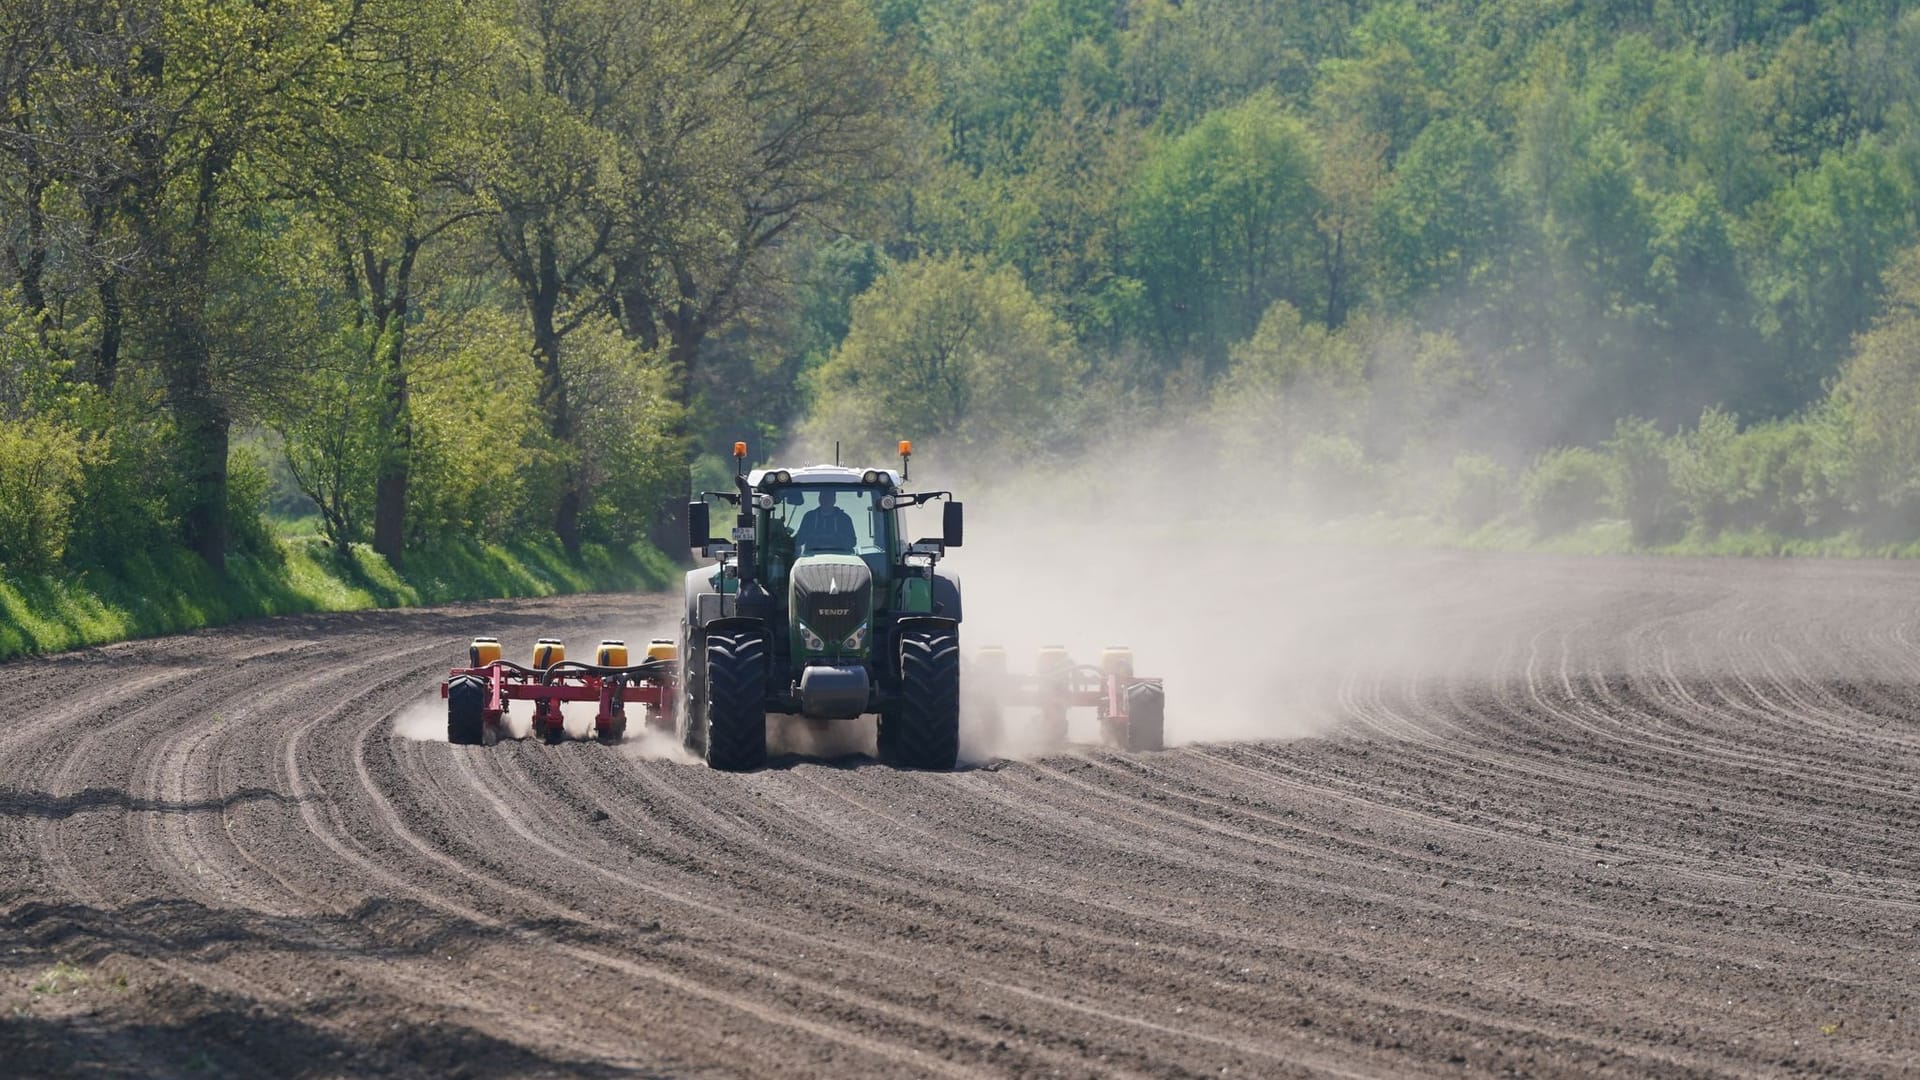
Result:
{"points": [[857, 639], [763, 500], [888, 502], [810, 639], [870, 477], [783, 477]]}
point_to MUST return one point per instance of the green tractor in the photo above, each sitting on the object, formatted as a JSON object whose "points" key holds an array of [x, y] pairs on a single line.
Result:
{"points": [[821, 607]]}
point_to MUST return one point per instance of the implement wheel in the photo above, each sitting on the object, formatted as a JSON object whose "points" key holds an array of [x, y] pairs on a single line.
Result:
{"points": [[923, 730], [735, 701], [689, 707], [1146, 716], [553, 728], [466, 710]]}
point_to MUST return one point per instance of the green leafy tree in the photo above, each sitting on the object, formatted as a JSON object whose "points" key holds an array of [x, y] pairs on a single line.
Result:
{"points": [[1394, 82], [1646, 491], [948, 350], [403, 173], [1567, 487], [1291, 380], [1879, 389], [42, 467], [1836, 228], [1221, 224], [1440, 221]]}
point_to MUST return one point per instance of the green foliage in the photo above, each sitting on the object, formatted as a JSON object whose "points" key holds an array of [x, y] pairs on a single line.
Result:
{"points": [[1220, 224], [1440, 220], [947, 350], [1646, 493], [1479, 490], [1290, 381], [1879, 392], [1567, 487], [480, 452], [623, 439], [41, 471], [1334, 478], [168, 590], [248, 485], [1837, 228], [471, 271]]}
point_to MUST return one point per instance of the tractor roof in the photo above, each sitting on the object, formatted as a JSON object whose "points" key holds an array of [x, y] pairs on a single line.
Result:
{"points": [[825, 474]]}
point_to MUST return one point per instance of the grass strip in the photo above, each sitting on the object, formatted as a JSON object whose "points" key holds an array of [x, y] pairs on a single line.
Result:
{"points": [[170, 591]]}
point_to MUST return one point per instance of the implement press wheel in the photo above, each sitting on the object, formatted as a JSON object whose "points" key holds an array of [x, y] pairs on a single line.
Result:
{"points": [[1146, 716], [922, 731], [466, 710]]}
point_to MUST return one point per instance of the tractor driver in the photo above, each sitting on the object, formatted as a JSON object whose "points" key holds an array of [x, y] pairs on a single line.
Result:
{"points": [[826, 527]]}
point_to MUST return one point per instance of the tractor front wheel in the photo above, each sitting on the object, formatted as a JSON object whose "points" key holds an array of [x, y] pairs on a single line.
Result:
{"points": [[466, 710], [734, 701], [922, 731]]}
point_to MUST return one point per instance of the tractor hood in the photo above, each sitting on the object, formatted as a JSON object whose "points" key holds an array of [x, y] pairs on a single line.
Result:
{"points": [[831, 601]]}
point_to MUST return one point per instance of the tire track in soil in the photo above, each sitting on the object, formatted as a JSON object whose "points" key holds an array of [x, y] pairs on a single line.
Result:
{"points": [[1582, 816]]}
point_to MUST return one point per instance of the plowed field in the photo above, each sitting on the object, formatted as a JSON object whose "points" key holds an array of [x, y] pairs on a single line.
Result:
{"points": [[1570, 817]]}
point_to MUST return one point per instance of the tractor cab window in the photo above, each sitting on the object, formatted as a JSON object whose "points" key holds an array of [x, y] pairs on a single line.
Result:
{"points": [[817, 519]]}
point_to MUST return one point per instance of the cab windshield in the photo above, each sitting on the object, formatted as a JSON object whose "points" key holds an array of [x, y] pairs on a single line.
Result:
{"points": [[817, 519]]}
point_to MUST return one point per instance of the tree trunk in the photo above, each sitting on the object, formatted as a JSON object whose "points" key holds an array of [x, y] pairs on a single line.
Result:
{"points": [[669, 531], [390, 512], [396, 418], [559, 415], [106, 364], [205, 432]]}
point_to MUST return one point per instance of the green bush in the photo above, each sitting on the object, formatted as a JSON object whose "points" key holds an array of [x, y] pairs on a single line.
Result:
{"points": [[1477, 490], [125, 496], [1706, 471], [41, 469], [1333, 475], [1646, 496], [249, 486], [1566, 487]]}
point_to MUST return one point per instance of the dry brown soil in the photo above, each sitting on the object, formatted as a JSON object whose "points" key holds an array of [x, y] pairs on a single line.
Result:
{"points": [[1581, 817]]}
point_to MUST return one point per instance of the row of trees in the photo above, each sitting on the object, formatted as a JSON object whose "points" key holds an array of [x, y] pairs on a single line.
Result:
{"points": [[1388, 234], [499, 266], [457, 260]]}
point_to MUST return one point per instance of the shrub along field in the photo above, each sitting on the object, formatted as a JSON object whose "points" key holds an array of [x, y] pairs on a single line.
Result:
{"points": [[174, 590]]}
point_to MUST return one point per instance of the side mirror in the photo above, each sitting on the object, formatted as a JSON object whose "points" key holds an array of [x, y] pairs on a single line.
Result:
{"points": [[699, 527], [950, 525]]}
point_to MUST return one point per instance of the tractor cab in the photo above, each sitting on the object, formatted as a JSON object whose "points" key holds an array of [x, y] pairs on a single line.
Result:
{"points": [[825, 510]]}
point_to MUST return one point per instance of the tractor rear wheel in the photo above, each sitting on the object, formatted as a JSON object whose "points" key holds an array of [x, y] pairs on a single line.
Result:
{"points": [[735, 701], [923, 730], [466, 710], [1146, 716]]}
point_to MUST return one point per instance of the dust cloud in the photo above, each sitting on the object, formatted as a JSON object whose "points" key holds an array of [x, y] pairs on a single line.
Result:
{"points": [[1258, 633]]}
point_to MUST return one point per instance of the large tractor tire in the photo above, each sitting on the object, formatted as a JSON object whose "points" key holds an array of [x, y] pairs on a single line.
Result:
{"points": [[922, 731], [466, 710], [1146, 716], [733, 709]]}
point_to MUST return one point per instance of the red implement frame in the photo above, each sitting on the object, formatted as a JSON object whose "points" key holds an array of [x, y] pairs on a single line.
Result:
{"points": [[1078, 686], [650, 684]]}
